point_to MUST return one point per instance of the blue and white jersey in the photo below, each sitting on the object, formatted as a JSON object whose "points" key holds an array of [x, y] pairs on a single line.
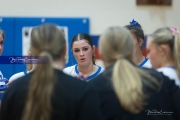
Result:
{"points": [[18, 75], [1, 76], [3, 85], [73, 71], [146, 63], [170, 72], [2, 82]]}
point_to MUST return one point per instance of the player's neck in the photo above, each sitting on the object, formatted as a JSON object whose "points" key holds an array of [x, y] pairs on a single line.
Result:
{"points": [[59, 64], [167, 63], [138, 58]]}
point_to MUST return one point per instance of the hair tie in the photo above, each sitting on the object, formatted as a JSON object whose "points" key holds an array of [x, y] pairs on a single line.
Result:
{"points": [[174, 31], [133, 22]]}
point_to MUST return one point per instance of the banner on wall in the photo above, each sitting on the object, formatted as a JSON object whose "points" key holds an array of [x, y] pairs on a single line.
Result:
{"points": [[26, 34]]}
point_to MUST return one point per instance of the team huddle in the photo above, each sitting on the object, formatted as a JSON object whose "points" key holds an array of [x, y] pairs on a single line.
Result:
{"points": [[129, 86]]}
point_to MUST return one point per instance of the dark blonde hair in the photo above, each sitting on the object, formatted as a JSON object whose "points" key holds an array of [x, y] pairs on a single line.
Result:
{"points": [[29, 66], [46, 40], [116, 48], [170, 37]]}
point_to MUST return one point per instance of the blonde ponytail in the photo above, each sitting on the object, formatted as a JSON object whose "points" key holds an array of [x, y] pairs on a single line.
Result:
{"points": [[39, 92], [176, 53], [116, 48], [128, 86], [48, 42]]}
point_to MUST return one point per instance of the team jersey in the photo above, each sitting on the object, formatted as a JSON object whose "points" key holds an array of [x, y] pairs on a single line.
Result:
{"points": [[146, 63], [171, 73], [18, 75], [1, 76], [73, 71], [3, 85]]}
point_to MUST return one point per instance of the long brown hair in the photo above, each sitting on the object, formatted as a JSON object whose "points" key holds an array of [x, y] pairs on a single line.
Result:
{"points": [[29, 67], [46, 40]]}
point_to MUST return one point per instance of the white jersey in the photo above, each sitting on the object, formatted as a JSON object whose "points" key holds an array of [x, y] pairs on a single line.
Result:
{"points": [[18, 75], [3, 85], [171, 73], [73, 71], [1, 76], [146, 63]]}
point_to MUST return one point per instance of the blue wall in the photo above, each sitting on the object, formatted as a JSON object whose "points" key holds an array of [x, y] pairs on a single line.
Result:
{"points": [[13, 40]]}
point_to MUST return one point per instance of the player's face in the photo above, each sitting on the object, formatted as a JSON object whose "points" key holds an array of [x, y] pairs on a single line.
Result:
{"points": [[83, 52], [1, 44], [154, 54]]}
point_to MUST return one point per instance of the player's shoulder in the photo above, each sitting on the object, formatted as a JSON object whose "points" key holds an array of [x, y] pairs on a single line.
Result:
{"points": [[69, 70], [16, 76]]}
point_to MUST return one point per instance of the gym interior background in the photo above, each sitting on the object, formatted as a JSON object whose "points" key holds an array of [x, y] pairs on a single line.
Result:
{"points": [[90, 16]]}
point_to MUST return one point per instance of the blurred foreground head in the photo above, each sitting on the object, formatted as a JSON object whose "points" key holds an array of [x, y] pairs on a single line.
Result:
{"points": [[49, 41], [47, 38], [116, 49], [116, 43]]}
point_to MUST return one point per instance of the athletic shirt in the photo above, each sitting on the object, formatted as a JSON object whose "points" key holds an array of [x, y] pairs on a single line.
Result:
{"points": [[170, 72], [18, 75], [3, 85], [73, 71], [1, 76], [146, 63]]}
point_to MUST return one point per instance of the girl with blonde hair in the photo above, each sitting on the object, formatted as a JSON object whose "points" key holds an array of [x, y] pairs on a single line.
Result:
{"points": [[129, 92], [163, 51], [47, 93]]}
